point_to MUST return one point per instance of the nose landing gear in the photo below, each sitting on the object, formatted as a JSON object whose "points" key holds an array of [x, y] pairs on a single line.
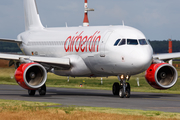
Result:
{"points": [[123, 89]]}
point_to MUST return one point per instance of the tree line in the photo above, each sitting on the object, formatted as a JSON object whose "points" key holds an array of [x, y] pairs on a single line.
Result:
{"points": [[157, 45], [163, 46], [9, 47]]}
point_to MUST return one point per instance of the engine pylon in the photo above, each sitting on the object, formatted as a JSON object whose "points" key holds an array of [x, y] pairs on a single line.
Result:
{"points": [[86, 9]]}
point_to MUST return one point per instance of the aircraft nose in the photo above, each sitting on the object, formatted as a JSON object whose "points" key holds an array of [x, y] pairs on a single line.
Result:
{"points": [[141, 59]]}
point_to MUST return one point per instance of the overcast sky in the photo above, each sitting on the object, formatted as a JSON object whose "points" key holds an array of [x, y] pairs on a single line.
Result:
{"points": [[157, 19]]}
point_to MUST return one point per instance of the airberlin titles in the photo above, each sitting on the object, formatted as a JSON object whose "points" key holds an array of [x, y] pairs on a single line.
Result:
{"points": [[82, 43]]}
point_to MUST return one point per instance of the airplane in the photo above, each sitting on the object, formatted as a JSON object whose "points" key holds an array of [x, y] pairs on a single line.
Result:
{"points": [[93, 51]]}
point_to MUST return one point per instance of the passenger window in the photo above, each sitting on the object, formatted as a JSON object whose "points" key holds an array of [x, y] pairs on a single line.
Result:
{"points": [[142, 42], [116, 43], [132, 42], [123, 42]]}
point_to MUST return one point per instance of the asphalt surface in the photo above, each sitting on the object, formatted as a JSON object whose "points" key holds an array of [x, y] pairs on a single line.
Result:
{"points": [[96, 98]]}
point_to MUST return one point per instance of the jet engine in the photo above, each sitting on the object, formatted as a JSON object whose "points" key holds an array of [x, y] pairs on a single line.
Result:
{"points": [[161, 76], [31, 76]]}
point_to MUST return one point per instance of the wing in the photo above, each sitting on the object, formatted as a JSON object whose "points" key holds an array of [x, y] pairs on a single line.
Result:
{"points": [[166, 56], [50, 62], [10, 40]]}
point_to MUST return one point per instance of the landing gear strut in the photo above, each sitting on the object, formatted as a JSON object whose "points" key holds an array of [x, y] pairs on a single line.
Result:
{"points": [[123, 89], [42, 91]]}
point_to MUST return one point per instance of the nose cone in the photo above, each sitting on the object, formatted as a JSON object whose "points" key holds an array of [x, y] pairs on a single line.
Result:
{"points": [[142, 58]]}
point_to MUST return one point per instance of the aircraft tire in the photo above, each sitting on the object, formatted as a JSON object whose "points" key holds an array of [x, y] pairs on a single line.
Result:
{"points": [[42, 90], [31, 92], [115, 88], [121, 93], [128, 90]]}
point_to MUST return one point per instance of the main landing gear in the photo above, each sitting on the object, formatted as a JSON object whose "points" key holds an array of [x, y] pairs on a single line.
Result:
{"points": [[123, 89], [41, 90]]}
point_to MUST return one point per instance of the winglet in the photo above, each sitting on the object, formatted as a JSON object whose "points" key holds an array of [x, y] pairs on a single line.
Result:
{"points": [[32, 19]]}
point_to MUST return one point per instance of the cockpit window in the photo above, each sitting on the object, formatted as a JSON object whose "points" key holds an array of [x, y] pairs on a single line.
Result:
{"points": [[132, 42], [142, 42], [116, 43], [123, 42]]}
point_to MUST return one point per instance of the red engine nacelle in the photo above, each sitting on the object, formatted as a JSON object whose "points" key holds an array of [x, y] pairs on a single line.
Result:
{"points": [[31, 76], [161, 76]]}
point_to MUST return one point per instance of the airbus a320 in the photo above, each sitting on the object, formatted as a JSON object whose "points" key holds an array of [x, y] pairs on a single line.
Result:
{"points": [[93, 51]]}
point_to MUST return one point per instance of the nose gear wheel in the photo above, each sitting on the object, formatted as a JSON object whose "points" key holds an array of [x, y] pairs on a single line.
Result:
{"points": [[115, 88], [123, 89]]}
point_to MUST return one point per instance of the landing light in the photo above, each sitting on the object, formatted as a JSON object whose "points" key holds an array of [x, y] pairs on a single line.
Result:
{"points": [[122, 77], [127, 77]]}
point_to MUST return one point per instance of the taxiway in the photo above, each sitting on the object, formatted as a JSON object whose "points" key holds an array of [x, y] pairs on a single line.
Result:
{"points": [[96, 98]]}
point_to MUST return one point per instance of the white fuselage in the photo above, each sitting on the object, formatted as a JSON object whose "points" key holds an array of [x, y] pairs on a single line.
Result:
{"points": [[92, 50]]}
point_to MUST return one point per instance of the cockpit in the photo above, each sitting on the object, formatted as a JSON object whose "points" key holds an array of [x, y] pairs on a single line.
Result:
{"points": [[120, 42]]}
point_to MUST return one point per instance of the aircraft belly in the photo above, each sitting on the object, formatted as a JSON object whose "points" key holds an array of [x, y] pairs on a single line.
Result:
{"points": [[98, 68], [78, 67]]}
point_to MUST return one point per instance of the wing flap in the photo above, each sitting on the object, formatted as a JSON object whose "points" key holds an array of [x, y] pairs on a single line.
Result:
{"points": [[46, 60], [49, 60]]}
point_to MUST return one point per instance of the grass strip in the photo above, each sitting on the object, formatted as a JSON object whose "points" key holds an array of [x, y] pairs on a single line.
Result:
{"points": [[43, 110]]}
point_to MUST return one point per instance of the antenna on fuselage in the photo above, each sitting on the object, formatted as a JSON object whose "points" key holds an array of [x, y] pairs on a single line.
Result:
{"points": [[86, 9], [123, 22], [66, 24]]}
